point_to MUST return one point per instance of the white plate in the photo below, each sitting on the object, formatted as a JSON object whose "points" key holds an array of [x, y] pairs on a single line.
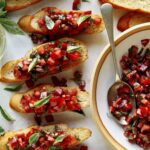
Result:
{"points": [[104, 77]]}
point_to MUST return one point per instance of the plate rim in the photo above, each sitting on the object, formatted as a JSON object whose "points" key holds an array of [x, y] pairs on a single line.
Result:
{"points": [[99, 63]]}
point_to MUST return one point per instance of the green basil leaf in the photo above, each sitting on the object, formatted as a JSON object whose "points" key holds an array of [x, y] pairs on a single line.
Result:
{"points": [[2, 4], [81, 112], [34, 138], [82, 19], [85, 1], [10, 26], [5, 114], [13, 87], [59, 139], [3, 13], [33, 63], [71, 48], [49, 23], [2, 131], [54, 147], [41, 102]]}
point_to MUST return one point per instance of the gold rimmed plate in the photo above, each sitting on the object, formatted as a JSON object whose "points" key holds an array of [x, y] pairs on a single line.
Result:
{"points": [[104, 77]]}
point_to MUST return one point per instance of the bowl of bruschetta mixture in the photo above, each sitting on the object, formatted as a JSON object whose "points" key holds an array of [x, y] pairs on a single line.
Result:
{"points": [[133, 56]]}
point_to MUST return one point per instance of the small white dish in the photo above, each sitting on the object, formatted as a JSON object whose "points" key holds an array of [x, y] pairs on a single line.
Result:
{"points": [[104, 77]]}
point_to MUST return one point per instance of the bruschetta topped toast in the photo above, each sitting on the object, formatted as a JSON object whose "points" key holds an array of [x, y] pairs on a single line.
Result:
{"points": [[133, 5], [12, 5], [46, 98], [52, 137], [59, 23], [45, 59]]}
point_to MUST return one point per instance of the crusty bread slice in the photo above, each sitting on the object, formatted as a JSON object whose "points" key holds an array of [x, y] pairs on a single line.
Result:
{"points": [[82, 134], [7, 75], [82, 96], [133, 5], [29, 23], [131, 19], [12, 5]]}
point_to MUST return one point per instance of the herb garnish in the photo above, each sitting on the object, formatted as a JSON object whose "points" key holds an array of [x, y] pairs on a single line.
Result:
{"points": [[82, 19], [71, 48], [13, 87], [54, 147], [49, 23], [8, 24], [59, 139], [42, 102], [5, 114], [33, 63], [34, 138]]}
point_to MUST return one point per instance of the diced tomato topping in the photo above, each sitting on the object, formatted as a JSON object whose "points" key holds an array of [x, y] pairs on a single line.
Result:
{"points": [[74, 56]]}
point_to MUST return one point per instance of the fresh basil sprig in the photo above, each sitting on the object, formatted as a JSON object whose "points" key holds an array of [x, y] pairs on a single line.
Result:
{"points": [[5, 114], [2, 131], [59, 139], [13, 87], [7, 23], [34, 138], [71, 48], [82, 19], [42, 102], [49, 23]]}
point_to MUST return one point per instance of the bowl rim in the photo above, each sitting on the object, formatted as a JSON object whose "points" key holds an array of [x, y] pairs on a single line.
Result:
{"points": [[103, 55]]}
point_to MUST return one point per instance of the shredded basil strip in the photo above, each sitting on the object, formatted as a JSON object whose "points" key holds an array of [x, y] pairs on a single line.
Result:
{"points": [[2, 131], [72, 48], [85, 0], [82, 19], [59, 139], [5, 114], [34, 138], [81, 112], [13, 87], [33, 63], [49, 23], [42, 102], [54, 147]]}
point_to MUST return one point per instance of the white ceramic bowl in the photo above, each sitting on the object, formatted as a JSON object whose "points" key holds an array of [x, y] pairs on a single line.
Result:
{"points": [[104, 77]]}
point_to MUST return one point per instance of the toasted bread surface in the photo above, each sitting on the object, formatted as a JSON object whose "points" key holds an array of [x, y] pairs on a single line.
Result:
{"points": [[133, 5], [131, 19], [7, 75], [30, 23], [83, 97], [12, 5], [82, 133]]}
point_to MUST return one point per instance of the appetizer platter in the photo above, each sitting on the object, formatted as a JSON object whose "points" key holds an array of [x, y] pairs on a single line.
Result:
{"points": [[48, 53]]}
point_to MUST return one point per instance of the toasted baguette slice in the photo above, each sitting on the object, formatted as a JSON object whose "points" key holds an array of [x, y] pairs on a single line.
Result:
{"points": [[82, 96], [133, 5], [82, 134], [12, 5], [131, 19], [7, 74], [29, 23]]}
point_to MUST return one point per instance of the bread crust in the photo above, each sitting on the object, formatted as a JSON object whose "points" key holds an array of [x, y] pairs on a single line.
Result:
{"points": [[122, 6], [131, 19], [6, 73], [82, 133], [12, 5]]}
